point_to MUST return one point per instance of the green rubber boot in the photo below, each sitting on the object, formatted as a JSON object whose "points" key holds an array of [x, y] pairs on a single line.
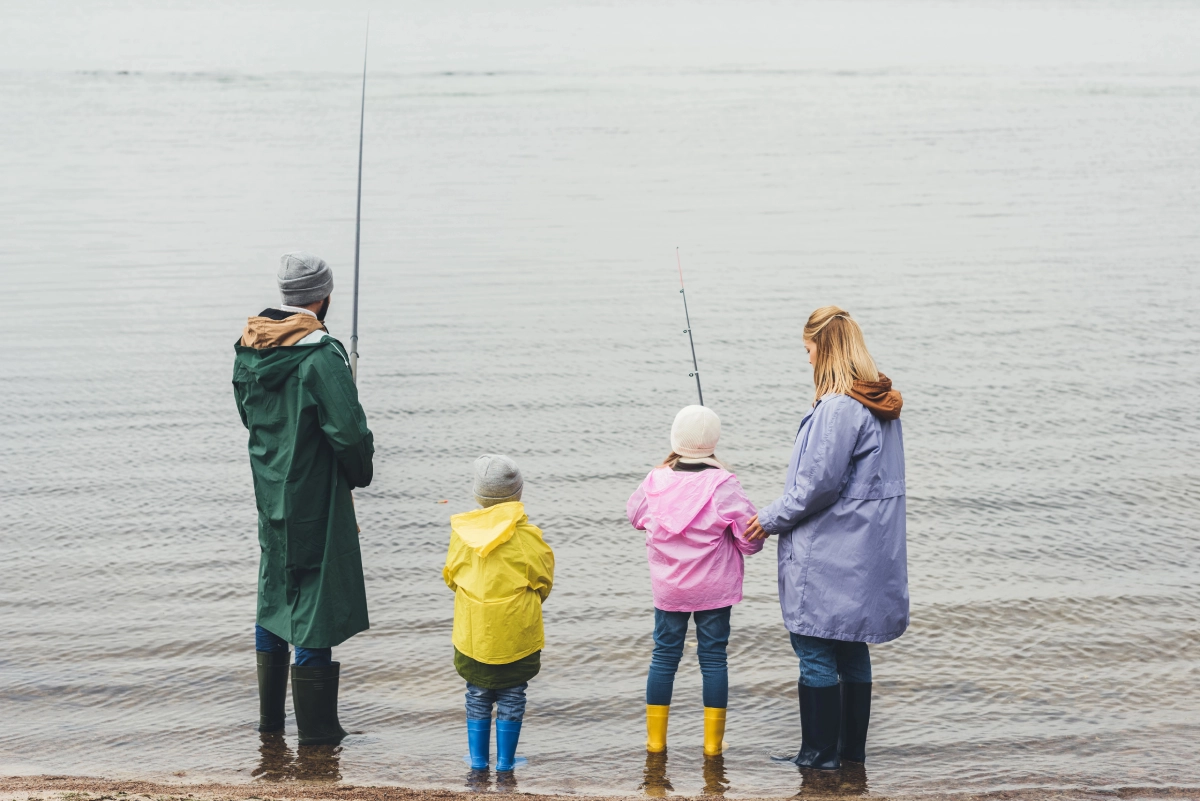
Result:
{"points": [[314, 695], [272, 689]]}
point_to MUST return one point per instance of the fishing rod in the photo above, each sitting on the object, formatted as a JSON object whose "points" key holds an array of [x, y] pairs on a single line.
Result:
{"points": [[362, 116], [695, 367]]}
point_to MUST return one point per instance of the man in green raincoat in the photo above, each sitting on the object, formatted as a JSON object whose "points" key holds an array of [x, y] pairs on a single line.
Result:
{"points": [[309, 447]]}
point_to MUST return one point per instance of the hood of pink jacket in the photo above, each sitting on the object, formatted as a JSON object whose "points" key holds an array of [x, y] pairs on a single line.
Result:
{"points": [[676, 498]]}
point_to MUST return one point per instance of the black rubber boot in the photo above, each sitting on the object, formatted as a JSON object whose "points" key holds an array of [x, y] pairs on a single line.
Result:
{"points": [[856, 715], [314, 695], [272, 689], [820, 725]]}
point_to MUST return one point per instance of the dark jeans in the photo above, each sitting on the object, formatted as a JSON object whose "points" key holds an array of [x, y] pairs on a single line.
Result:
{"points": [[305, 657], [712, 636], [823, 661]]}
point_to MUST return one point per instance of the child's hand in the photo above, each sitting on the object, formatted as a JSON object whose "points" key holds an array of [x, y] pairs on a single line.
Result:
{"points": [[754, 531]]}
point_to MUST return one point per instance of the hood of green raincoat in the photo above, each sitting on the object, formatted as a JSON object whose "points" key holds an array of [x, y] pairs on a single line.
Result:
{"points": [[271, 366], [271, 349], [484, 530]]}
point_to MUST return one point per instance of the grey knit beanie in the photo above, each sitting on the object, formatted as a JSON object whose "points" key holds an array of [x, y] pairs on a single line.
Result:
{"points": [[303, 279], [497, 480]]}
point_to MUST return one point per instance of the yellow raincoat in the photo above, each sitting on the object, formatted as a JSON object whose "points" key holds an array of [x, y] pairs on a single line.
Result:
{"points": [[501, 570]]}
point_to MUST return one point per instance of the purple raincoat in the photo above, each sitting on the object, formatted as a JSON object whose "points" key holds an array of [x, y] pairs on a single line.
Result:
{"points": [[843, 560], [695, 526]]}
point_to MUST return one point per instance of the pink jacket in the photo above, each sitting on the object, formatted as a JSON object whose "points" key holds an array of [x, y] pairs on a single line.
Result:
{"points": [[695, 525]]}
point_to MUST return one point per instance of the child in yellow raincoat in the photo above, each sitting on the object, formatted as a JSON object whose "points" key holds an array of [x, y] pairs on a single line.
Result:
{"points": [[501, 570]]}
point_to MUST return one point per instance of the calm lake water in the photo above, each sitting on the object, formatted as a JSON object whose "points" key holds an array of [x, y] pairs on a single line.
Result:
{"points": [[1004, 195]]}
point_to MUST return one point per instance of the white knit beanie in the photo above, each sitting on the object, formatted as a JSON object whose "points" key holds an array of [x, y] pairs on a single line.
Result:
{"points": [[694, 435]]}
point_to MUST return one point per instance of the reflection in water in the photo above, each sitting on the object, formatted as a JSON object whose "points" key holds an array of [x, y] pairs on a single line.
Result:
{"points": [[655, 781], [506, 782], [310, 763], [850, 780], [479, 781], [715, 781], [318, 763], [274, 758]]}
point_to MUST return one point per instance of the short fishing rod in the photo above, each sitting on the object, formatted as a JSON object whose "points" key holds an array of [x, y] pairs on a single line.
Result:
{"points": [[695, 367], [362, 116]]}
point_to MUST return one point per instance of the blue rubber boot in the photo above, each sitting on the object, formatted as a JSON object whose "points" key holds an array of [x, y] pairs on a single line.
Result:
{"points": [[507, 734], [479, 739]]}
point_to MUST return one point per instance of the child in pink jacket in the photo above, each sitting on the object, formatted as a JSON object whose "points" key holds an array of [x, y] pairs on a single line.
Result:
{"points": [[694, 513]]}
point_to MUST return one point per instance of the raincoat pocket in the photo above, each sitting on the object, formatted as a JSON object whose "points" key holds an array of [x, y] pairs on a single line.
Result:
{"points": [[310, 500], [306, 543], [873, 490], [785, 549]]}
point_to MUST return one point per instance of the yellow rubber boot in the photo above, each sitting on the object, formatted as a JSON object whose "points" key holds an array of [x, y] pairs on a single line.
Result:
{"points": [[656, 727], [714, 731]]}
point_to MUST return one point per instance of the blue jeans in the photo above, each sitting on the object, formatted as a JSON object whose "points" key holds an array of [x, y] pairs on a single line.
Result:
{"points": [[823, 661], [510, 702], [712, 636], [305, 657]]}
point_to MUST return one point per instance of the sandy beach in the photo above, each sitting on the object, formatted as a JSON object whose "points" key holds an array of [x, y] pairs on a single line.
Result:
{"points": [[82, 788]]}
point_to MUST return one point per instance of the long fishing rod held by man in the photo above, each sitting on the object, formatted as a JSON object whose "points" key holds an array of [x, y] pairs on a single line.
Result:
{"points": [[311, 592], [362, 117]]}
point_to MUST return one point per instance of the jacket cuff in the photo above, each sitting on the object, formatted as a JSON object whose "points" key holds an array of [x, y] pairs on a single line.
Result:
{"points": [[767, 519]]}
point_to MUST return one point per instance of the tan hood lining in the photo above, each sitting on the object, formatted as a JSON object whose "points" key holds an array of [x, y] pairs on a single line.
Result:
{"points": [[263, 332]]}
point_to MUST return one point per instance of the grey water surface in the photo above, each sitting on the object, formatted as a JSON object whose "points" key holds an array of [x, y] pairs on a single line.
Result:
{"points": [[1005, 195]]}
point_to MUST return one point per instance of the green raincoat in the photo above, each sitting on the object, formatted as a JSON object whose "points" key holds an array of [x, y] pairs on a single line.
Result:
{"points": [[309, 446]]}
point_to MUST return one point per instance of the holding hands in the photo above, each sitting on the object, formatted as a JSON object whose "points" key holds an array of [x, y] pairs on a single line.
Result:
{"points": [[754, 531]]}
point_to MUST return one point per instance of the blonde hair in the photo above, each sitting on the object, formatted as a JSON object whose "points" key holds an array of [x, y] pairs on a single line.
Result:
{"points": [[841, 356], [673, 459]]}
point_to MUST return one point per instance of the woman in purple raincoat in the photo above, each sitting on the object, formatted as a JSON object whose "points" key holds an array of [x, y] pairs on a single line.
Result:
{"points": [[843, 571]]}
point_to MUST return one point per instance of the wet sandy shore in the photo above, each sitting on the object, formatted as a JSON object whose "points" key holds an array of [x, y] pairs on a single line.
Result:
{"points": [[64, 788]]}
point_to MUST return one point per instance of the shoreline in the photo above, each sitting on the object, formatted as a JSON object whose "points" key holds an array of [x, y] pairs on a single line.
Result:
{"points": [[86, 788]]}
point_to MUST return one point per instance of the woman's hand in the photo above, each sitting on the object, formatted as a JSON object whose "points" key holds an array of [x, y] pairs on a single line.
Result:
{"points": [[754, 531]]}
